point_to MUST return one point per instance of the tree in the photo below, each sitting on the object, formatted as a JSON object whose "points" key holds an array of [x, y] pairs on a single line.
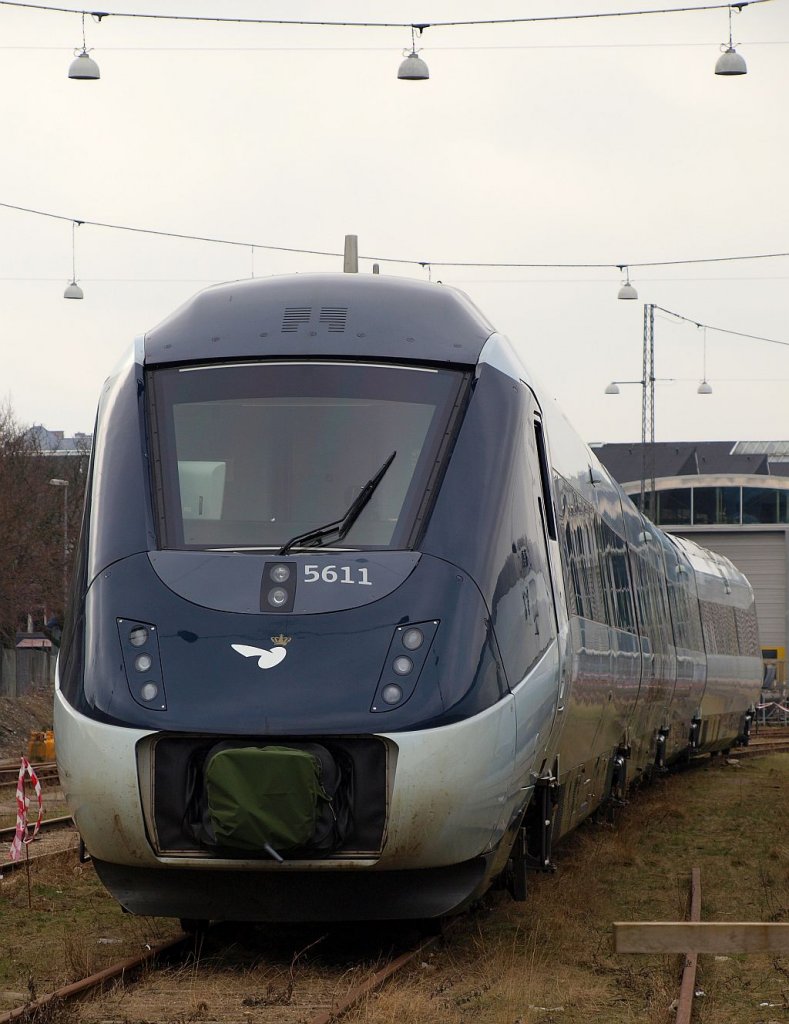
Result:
{"points": [[33, 563]]}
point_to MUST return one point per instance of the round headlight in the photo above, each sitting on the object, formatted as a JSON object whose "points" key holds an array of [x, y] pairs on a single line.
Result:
{"points": [[402, 665], [280, 573], [278, 597], [391, 693], [143, 662], [138, 636], [149, 691], [413, 639]]}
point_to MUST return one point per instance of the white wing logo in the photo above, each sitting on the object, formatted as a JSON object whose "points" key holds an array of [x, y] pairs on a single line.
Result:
{"points": [[266, 659]]}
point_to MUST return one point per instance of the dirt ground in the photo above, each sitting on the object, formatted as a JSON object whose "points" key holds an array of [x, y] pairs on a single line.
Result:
{"points": [[546, 961], [19, 716]]}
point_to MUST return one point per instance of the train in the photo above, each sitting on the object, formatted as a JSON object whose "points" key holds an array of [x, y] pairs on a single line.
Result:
{"points": [[359, 626]]}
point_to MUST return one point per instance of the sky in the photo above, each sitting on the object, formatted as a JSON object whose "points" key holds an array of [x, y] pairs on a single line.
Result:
{"points": [[586, 141]]}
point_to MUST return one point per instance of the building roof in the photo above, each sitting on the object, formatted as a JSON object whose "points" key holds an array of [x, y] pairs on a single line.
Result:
{"points": [[54, 442], [691, 458], [35, 641]]}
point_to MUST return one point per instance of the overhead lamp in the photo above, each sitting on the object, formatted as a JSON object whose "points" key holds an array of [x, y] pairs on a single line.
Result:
{"points": [[704, 388], [413, 68], [83, 67], [613, 388], [73, 290], [627, 291], [730, 62]]}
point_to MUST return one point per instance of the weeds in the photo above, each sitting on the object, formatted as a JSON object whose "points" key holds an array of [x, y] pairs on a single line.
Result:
{"points": [[550, 960]]}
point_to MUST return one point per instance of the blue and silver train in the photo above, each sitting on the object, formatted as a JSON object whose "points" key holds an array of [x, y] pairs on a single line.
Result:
{"points": [[359, 624]]}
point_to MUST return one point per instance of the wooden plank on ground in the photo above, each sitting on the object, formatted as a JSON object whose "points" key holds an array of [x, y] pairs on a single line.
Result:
{"points": [[700, 937], [688, 984]]}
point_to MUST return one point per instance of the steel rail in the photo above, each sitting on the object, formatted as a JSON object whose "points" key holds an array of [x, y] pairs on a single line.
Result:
{"points": [[46, 825], [46, 773], [757, 746], [130, 964], [13, 765], [378, 979], [30, 1010], [9, 867]]}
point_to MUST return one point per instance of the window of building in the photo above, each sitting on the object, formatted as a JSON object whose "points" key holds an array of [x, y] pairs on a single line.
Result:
{"points": [[759, 505], [674, 507], [714, 506]]}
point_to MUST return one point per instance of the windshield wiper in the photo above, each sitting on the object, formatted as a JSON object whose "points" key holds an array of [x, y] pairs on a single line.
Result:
{"points": [[315, 538]]}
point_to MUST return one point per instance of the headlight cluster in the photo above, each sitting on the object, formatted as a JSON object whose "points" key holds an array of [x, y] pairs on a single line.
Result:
{"points": [[404, 661], [140, 646], [278, 587]]}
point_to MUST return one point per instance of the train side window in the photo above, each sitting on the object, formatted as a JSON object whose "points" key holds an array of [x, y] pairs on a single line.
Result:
{"points": [[580, 560], [747, 632], [617, 588], [545, 480], [720, 630]]}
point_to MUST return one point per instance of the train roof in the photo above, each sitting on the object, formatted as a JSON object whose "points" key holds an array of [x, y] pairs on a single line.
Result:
{"points": [[330, 315], [716, 575]]}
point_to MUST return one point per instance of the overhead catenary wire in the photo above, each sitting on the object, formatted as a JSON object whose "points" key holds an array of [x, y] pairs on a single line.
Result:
{"points": [[493, 47], [720, 330], [406, 261], [427, 265], [419, 26]]}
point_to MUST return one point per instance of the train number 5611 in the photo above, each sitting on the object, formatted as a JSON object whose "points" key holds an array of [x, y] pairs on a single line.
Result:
{"points": [[336, 574]]}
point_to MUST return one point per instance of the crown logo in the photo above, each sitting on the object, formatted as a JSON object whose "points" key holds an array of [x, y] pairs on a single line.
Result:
{"points": [[281, 640]]}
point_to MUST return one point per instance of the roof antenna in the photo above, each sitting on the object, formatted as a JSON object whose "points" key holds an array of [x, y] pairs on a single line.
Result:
{"points": [[350, 263]]}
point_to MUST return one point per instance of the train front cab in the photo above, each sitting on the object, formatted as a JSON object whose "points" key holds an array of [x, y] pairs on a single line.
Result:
{"points": [[457, 746]]}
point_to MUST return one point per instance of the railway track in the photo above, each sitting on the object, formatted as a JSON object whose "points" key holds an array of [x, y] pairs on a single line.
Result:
{"points": [[56, 837], [770, 739], [47, 772], [234, 973]]}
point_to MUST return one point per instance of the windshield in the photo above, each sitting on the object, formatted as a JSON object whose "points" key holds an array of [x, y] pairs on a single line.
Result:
{"points": [[252, 455]]}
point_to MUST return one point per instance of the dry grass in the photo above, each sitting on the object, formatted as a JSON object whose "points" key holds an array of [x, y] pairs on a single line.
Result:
{"points": [[73, 928], [550, 960]]}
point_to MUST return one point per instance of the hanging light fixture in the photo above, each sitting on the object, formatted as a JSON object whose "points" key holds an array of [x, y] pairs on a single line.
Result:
{"points": [[413, 68], [627, 291], [73, 290], [730, 62], [704, 388], [83, 67], [613, 388]]}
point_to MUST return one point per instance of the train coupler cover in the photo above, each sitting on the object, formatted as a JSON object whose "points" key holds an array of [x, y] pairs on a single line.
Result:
{"points": [[270, 799]]}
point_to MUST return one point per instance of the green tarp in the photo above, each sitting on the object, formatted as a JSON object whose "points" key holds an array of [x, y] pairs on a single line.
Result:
{"points": [[264, 795]]}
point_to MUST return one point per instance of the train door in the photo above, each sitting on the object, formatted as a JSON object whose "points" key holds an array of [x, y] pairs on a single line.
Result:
{"points": [[535, 549], [658, 660], [681, 713]]}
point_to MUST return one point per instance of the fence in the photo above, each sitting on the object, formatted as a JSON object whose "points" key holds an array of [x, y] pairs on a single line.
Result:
{"points": [[24, 670]]}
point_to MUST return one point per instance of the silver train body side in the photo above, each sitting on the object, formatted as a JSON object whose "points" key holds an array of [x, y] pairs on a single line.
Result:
{"points": [[571, 647]]}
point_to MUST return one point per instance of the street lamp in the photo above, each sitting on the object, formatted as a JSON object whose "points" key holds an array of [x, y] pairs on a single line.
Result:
{"points": [[647, 384], [64, 484]]}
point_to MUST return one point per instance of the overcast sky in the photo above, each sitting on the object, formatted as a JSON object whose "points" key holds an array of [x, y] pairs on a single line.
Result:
{"points": [[590, 141]]}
